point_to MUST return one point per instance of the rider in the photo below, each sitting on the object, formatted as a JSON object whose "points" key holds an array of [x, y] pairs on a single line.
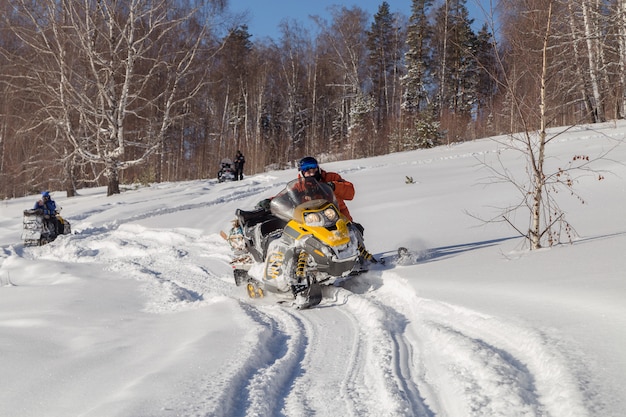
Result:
{"points": [[344, 190], [240, 160], [48, 207]]}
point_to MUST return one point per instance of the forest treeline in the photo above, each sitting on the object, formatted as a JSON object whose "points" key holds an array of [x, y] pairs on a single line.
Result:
{"points": [[110, 92]]}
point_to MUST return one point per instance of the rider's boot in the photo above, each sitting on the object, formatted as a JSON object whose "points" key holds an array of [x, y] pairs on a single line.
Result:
{"points": [[306, 296]]}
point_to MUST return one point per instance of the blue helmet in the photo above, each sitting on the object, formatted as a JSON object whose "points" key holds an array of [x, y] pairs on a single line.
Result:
{"points": [[306, 163], [45, 194]]}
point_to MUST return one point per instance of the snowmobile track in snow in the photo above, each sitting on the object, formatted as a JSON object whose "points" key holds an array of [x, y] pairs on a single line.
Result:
{"points": [[402, 358]]}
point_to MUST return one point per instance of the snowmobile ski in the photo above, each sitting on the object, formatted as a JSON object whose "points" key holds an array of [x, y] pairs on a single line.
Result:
{"points": [[306, 298], [402, 256], [310, 297]]}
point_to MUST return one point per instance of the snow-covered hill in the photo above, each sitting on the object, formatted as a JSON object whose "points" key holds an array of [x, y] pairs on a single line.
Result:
{"points": [[137, 314]]}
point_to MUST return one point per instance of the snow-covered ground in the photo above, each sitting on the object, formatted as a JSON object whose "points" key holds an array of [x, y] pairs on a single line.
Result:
{"points": [[137, 314]]}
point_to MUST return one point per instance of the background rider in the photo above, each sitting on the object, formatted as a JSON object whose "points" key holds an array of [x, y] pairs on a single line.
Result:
{"points": [[49, 210]]}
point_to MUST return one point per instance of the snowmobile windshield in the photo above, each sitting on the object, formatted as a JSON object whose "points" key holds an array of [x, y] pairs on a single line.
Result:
{"points": [[305, 191]]}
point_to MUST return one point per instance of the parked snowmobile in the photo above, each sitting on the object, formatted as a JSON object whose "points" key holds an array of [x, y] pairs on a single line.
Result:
{"points": [[37, 230], [303, 241], [227, 171]]}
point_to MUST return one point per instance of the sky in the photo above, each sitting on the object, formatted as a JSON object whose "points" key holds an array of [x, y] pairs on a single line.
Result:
{"points": [[137, 314], [264, 17]]}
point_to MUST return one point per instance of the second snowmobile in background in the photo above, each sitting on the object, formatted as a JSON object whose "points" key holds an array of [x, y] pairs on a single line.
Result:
{"points": [[37, 230], [227, 170]]}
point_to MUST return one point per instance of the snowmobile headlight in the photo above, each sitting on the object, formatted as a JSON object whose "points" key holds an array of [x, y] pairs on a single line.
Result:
{"points": [[313, 219], [331, 214]]}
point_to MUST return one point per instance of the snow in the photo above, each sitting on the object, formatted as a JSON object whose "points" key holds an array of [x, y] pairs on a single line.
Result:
{"points": [[137, 314]]}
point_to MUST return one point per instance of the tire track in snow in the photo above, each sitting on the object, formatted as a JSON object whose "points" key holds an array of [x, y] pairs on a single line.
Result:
{"points": [[347, 352], [405, 355], [387, 387], [234, 196], [299, 354], [328, 366], [255, 383], [356, 361], [269, 374], [470, 364], [173, 277], [469, 376]]}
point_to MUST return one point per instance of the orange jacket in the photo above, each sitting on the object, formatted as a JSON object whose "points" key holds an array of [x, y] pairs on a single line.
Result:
{"points": [[344, 190]]}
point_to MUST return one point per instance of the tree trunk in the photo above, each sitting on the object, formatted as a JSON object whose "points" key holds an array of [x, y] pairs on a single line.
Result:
{"points": [[577, 60], [70, 176], [443, 65], [621, 24], [535, 232], [113, 185], [593, 53]]}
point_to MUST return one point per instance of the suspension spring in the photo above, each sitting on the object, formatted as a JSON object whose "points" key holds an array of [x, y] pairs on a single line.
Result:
{"points": [[301, 265], [364, 253]]}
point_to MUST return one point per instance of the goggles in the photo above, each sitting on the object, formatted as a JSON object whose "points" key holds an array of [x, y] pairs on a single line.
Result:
{"points": [[305, 166]]}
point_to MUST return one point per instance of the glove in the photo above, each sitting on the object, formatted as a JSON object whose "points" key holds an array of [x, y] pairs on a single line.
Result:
{"points": [[332, 185], [264, 204]]}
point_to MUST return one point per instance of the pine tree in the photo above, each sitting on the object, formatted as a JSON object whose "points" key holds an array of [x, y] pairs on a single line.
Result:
{"points": [[456, 69], [383, 60], [487, 77], [234, 72], [417, 57]]}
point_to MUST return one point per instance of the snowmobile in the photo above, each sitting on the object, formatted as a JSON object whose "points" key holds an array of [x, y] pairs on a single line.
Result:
{"points": [[227, 171], [37, 230], [303, 242]]}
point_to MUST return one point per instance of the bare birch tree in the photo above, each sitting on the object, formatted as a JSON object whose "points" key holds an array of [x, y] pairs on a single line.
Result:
{"points": [[578, 54], [620, 18], [594, 56], [111, 77], [546, 221], [294, 70], [346, 40]]}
